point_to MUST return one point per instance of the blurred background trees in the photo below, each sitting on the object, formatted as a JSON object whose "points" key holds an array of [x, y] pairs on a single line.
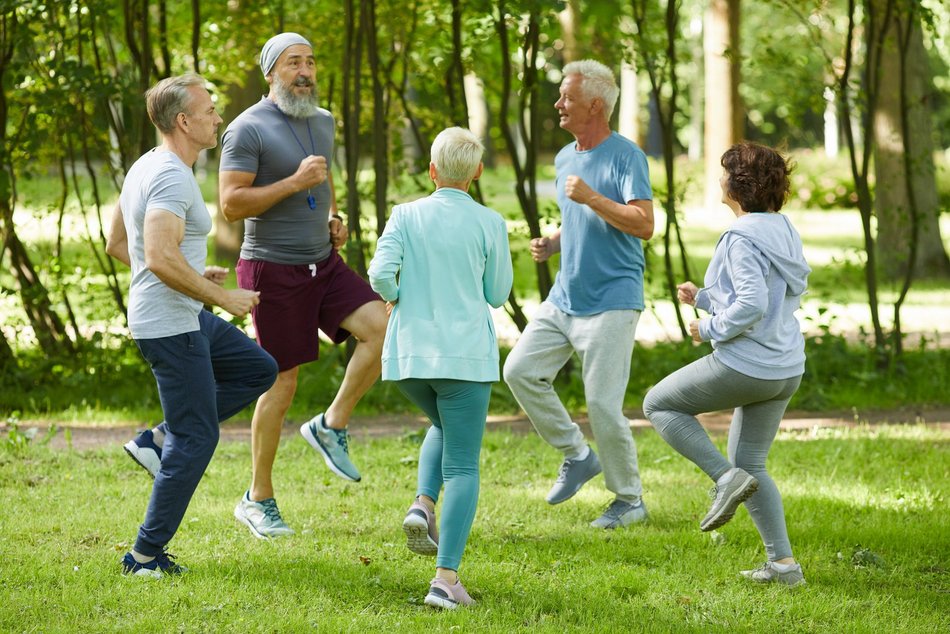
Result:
{"points": [[856, 82]]}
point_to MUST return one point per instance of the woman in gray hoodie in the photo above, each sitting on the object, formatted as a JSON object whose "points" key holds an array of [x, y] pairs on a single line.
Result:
{"points": [[753, 287]]}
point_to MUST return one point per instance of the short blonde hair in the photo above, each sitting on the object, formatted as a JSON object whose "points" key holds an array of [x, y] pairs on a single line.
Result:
{"points": [[456, 153], [599, 82], [169, 97]]}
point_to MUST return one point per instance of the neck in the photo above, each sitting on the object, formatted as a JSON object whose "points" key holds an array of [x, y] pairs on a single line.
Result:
{"points": [[592, 137], [181, 148], [440, 184]]}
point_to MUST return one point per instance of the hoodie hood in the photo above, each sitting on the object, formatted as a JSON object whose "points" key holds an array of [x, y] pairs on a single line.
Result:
{"points": [[774, 235]]}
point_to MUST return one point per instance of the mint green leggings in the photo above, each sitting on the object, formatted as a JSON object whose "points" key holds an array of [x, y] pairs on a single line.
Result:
{"points": [[450, 454]]}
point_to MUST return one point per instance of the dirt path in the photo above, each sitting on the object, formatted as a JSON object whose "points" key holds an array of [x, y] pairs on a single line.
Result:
{"points": [[84, 437]]}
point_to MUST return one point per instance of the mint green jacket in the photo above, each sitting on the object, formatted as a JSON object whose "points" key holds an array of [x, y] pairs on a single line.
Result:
{"points": [[442, 260]]}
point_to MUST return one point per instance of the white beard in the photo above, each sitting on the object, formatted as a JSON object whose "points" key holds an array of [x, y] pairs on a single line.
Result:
{"points": [[298, 107]]}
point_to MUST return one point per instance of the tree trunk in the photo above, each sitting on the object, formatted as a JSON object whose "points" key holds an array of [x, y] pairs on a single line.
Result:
{"points": [[723, 110], [891, 203]]}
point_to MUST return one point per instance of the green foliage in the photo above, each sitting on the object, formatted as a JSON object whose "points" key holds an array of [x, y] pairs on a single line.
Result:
{"points": [[872, 542]]}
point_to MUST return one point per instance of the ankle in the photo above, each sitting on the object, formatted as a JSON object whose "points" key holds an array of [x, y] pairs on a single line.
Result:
{"points": [[427, 502], [447, 575], [140, 558]]}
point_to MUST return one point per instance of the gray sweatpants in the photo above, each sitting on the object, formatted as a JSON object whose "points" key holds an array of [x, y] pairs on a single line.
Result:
{"points": [[707, 385], [604, 344]]}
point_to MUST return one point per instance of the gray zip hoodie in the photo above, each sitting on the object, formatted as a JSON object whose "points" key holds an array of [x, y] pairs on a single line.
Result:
{"points": [[753, 287]]}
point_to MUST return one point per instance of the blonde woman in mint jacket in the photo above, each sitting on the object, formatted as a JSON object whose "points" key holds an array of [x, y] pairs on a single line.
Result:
{"points": [[753, 286], [440, 263]]}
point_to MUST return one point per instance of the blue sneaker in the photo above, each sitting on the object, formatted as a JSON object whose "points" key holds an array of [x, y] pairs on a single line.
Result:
{"points": [[332, 445], [620, 514], [143, 450], [155, 569], [572, 475]]}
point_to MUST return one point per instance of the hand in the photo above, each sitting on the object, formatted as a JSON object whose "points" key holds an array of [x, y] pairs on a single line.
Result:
{"points": [[577, 190], [694, 330], [311, 171], [239, 301], [216, 274], [390, 306], [686, 293], [541, 249], [338, 233]]}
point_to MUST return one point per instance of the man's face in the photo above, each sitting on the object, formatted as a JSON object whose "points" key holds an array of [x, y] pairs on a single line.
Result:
{"points": [[292, 81], [572, 107], [202, 118]]}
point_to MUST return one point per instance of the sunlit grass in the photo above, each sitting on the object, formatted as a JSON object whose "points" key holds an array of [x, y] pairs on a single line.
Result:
{"points": [[872, 563]]}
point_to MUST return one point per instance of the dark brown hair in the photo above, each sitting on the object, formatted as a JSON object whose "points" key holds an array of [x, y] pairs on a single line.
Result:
{"points": [[757, 177]]}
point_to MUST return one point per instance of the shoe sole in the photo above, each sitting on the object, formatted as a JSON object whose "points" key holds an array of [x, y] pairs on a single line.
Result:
{"points": [[314, 442], [438, 602], [135, 458], [554, 501], [619, 523], [417, 536], [731, 505]]}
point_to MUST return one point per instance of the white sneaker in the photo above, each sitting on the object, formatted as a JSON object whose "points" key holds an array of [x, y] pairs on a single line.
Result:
{"points": [[262, 518]]}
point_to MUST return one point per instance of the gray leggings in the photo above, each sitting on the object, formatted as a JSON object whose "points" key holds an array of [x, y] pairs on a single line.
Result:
{"points": [[707, 385]]}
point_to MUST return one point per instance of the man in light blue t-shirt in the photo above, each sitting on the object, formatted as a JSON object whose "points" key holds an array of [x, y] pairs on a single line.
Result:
{"points": [[603, 191]]}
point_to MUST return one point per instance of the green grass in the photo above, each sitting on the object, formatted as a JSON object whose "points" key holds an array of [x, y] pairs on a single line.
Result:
{"points": [[866, 510]]}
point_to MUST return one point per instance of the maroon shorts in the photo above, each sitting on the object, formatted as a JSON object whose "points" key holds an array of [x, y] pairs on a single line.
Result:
{"points": [[298, 299]]}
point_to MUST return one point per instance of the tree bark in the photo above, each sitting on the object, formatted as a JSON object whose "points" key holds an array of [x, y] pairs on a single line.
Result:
{"points": [[723, 111], [892, 205]]}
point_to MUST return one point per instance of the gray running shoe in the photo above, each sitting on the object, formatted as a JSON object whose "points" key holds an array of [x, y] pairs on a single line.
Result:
{"points": [[620, 514], [767, 573], [572, 475], [442, 595], [422, 537], [332, 445], [262, 518], [732, 489]]}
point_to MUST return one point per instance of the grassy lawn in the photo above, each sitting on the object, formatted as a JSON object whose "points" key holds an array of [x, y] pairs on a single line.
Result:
{"points": [[867, 510]]}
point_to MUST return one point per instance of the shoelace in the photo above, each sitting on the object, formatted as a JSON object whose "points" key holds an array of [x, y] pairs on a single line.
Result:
{"points": [[271, 510], [562, 472], [616, 509], [165, 560], [713, 493], [341, 439]]}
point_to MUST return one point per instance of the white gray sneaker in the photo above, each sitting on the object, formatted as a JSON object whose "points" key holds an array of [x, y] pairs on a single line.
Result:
{"points": [[732, 489], [333, 445], [620, 514], [262, 518], [768, 573], [572, 475]]}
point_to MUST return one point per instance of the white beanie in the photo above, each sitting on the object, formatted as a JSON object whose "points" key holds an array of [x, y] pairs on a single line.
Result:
{"points": [[277, 45]]}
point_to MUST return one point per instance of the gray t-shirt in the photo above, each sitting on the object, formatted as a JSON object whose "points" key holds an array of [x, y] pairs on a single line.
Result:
{"points": [[160, 181], [264, 141]]}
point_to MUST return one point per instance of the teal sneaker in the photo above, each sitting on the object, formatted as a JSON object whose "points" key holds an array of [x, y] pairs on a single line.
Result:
{"points": [[332, 445], [262, 518]]}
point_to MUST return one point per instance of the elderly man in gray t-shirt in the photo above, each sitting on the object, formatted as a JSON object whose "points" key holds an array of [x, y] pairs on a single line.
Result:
{"points": [[274, 176]]}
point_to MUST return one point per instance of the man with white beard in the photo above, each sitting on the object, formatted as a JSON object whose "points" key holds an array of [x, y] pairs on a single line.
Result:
{"points": [[274, 175]]}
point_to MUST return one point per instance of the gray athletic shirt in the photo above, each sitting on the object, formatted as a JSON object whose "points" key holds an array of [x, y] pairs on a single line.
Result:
{"points": [[264, 141], [159, 180]]}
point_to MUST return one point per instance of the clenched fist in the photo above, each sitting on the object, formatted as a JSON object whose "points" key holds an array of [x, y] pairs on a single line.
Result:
{"points": [[577, 190], [312, 171]]}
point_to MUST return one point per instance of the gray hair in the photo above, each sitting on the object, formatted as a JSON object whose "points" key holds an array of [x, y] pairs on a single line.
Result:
{"points": [[169, 97], [599, 82], [456, 153]]}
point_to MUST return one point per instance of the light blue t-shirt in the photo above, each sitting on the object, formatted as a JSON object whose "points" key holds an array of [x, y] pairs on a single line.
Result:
{"points": [[264, 141], [159, 180], [445, 258], [601, 267]]}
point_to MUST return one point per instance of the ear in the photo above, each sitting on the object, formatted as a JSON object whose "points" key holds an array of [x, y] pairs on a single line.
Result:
{"points": [[596, 105], [433, 172], [478, 171]]}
